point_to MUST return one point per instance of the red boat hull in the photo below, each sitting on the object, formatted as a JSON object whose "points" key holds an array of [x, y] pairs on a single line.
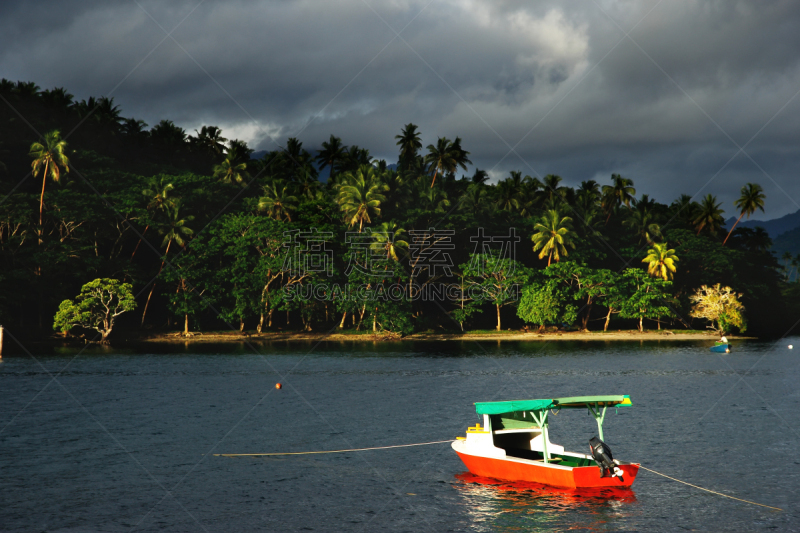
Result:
{"points": [[565, 477]]}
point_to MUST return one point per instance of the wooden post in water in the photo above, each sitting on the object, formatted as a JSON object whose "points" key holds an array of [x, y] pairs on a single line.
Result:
{"points": [[1, 342]]}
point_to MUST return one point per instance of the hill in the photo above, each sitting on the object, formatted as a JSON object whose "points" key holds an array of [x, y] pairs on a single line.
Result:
{"points": [[788, 241], [774, 227]]}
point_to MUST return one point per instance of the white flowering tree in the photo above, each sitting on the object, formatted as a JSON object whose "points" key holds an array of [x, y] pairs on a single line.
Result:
{"points": [[720, 306]]}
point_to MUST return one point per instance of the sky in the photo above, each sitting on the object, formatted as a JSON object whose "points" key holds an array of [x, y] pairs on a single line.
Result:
{"points": [[695, 97]]}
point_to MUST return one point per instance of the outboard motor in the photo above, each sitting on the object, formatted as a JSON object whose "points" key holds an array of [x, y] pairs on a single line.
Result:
{"points": [[602, 456]]}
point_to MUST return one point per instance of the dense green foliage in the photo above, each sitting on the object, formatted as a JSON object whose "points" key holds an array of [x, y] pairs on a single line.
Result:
{"points": [[97, 307], [210, 238]]}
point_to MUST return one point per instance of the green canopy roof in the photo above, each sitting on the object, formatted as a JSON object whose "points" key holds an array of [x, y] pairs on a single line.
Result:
{"points": [[573, 402]]}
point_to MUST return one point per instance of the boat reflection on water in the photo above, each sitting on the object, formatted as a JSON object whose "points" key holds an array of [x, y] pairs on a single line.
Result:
{"points": [[495, 505]]}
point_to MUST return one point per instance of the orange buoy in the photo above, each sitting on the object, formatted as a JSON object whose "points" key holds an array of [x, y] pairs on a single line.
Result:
{"points": [[278, 385]]}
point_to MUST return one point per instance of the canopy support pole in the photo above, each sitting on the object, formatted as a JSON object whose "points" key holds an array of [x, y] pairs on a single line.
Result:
{"points": [[542, 421], [599, 416]]}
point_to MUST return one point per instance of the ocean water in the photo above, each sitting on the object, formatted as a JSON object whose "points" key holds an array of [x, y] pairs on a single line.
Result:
{"points": [[110, 440]]}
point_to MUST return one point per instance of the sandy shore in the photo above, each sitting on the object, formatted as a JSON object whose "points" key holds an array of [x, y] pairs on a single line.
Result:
{"points": [[664, 335]]}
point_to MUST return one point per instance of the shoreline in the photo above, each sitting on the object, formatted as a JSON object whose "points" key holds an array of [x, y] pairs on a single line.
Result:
{"points": [[665, 335]]}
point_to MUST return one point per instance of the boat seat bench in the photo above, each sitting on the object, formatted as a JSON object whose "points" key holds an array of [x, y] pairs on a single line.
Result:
{"points": [[563, 460]]}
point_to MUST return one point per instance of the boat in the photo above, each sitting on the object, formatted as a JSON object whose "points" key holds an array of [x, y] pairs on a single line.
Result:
{"points": [[513, 444], [721, 346]]}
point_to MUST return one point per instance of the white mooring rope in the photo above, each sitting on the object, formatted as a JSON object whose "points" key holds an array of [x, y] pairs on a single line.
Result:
{"points": [[451, 440], [330, 451]]}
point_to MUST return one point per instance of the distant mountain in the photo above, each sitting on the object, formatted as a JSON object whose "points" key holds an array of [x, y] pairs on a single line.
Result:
{"points": [[788, 241], [774, 227]]}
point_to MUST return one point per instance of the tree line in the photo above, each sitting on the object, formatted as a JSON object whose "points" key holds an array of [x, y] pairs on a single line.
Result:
{"points": [[198, 228]]}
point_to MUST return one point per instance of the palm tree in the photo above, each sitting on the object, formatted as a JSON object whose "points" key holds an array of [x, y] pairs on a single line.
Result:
{"points": [[57, 98], [210, 140], [173, 230], [446, 157], [587, 209], [233, 168], [643, 221], [157, 195], [553, 235], [660, 261], [332, 155], [620, 192], [709, 215], [398, 190], [359, 156], [479, 176], [760, 240], [475, 198], [553, 192], [787, 258], [278, 201], [307, 182], [168, 136], [133, 127], [387, 237], [530, 195], [439, 157], [48, 156], [409, 143], [752, 198], [590, 188], [683, 210], [461, 156], [509, 193], [107, 112], [26, 89], [434, 200], [361, 194]]}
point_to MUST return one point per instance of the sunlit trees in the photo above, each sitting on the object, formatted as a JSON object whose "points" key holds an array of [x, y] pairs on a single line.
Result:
{"points": [[233, 169], [538, 306], [360, 196], [752, 198], [647, 297], [389, 238], [49, 156], [97, 306], [720, 306], [139, 175], [552, 235], [661, 261], [278, 202]]}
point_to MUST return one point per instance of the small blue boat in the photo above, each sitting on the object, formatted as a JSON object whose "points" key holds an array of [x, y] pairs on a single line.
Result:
{"points": [[721, 346]]}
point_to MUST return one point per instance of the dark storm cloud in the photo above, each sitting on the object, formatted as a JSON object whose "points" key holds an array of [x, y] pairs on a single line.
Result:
{"points": [[558, 81]]}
